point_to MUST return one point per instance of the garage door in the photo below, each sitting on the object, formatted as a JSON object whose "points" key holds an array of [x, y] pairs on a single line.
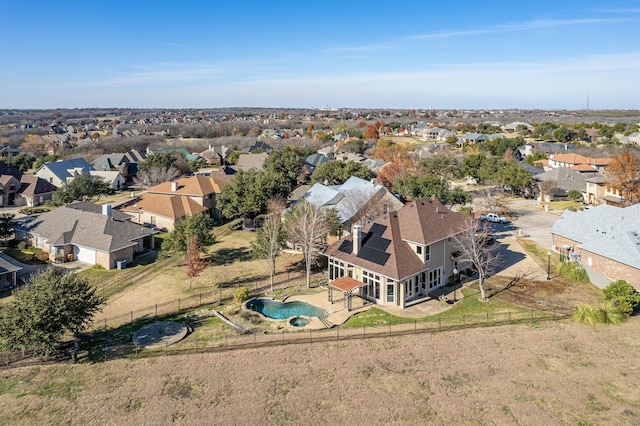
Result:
{"points": [[84, 254]]}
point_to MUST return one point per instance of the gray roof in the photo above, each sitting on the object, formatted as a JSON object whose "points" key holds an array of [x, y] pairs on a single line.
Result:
{"points": [[608, 231], [66, 225], [565, 178], [60, 168], [109, 161], [6, 265], [86, 206]]}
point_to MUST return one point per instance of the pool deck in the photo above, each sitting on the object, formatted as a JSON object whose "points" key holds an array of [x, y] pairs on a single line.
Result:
{"points": [[338, 314]]}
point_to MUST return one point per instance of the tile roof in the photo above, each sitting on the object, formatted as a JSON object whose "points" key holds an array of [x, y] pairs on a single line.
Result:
{"points": [[384, 247], [197, 185], [95, 231], [171, 206], [608, 231]]}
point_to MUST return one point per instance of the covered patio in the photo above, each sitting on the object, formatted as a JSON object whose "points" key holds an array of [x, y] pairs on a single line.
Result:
{"points": [[347, 285]]}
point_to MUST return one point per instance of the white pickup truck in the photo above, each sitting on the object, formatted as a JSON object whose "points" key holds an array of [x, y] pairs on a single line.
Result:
{"points": [[492, 217]]}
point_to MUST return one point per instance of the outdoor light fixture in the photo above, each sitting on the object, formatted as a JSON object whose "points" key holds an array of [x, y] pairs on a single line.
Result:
{"points": [[548, 265]]}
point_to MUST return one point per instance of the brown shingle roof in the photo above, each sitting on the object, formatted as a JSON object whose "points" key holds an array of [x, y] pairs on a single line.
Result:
{"points": [[193, 185], [384, 247], [171, 206]]}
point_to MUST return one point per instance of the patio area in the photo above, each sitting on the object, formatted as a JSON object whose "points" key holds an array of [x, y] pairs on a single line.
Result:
{"points": [[419, 308]]}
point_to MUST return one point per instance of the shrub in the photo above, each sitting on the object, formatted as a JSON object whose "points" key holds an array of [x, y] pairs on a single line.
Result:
{"points": [[573, 271], [41, 255], [608, 313], [241, 294], [623, 295]]}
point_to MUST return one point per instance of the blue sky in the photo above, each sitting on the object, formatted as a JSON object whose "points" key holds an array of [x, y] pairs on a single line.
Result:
{"points": [[404, 54]]}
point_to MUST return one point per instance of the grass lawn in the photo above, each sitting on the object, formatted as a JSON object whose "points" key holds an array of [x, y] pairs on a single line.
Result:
{"points": [[565, 205], [25, 255]]}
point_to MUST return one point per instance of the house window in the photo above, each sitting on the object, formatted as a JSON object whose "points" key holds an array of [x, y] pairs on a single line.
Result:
{"points": [[423, 280], [435, 278], [427, 253], [372, 282], [153, 220], [336, 269], [390, 287], [419, 249], [39, 242]]}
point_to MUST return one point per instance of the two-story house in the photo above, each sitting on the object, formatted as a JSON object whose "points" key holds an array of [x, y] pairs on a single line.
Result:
{"points": [[399, 257]]}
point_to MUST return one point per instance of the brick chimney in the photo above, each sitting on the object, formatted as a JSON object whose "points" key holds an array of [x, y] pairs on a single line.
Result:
{"points": [[357, 238]]}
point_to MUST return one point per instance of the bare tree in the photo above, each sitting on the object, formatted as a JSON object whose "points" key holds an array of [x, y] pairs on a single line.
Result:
{"points": [[306, 226], [476, 247], [362, 205], [269, 242], [546, 186], [494, 202], [156, 176]]}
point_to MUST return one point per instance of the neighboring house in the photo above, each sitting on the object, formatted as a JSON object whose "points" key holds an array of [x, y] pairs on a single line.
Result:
{"points": [[215, 154], [315, 160], [113, 178], [634, 138], [10, 189], [351, 197], [258, 147], [165, 204], [565, 180], [10, 151], [579, 162], [126, 163], [605, 238], [516, 125], [553, 147], [64, 171], [34, 191], [399, 257], [188, 155], [95, 238], [87, 206], [8, 273], [251, 161]]}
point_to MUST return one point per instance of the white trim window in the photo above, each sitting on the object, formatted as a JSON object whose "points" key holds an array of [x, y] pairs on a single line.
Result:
{"points": [[435, 278], [373, 284], [336, 269]]}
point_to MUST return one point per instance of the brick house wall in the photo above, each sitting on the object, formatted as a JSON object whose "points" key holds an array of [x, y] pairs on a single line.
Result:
{"points": [[609, 268]]}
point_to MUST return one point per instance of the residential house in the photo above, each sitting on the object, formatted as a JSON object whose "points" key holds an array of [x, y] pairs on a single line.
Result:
{"points": [[165, 204], [8, 273], [34, 191], [604, 238], [9, 151], [112, 177], [96, 238], [251, 161], [634, 138], [215, 154], [10, 189], [564, 180], [516, 125], [64, 171], [126, 163], [259, 147], [579, 162], [399, 257], [182, 151], [354, 199]]}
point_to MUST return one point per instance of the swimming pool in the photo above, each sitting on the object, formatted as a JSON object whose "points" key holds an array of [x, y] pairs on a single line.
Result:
{"points": [[279, 310]]}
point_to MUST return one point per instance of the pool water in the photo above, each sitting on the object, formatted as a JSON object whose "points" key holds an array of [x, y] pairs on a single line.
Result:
{"points": [[279, 310]]}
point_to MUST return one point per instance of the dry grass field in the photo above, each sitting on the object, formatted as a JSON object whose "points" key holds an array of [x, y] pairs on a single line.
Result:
{"points": [[557, 373]]}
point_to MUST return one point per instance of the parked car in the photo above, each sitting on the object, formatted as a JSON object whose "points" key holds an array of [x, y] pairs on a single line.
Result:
{"points": [[494, 218]]}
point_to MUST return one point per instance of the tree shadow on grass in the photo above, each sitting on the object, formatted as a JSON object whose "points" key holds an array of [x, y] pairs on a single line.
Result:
{"points": [[227, 256], [246, 281]]}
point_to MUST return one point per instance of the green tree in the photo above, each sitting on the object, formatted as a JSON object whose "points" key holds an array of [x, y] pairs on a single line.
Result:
{"points": [[424, 186], [442, 165], [22, 162], [270, 239], [81, 188], [623, 295], [6, 230], [531, 159], [354, 145], [40, 161], [337, 172], [198, 226], [562, 134], [53, 304], [512, 175], [288, 162], [574, 195], [248, 192]]}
